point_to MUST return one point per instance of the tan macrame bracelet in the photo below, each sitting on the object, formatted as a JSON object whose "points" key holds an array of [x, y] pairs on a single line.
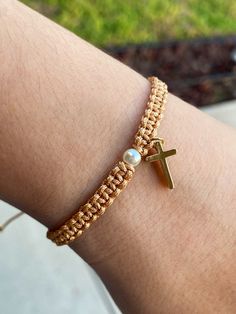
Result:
{"points": [[143, 140], [123, 171]]}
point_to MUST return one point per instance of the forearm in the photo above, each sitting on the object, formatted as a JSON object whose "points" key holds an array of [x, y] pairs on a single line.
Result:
{"points": [[68, 111], [65, 106]]}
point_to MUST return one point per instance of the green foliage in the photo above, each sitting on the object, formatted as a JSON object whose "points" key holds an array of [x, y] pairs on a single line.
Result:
{"points": [[105, 22]]}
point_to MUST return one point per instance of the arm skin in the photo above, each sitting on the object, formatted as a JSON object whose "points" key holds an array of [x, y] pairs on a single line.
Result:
{"points": [[67, 113]]}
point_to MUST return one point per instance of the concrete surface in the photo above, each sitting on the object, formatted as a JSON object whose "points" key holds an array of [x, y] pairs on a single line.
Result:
{"points": [[36, 277]]}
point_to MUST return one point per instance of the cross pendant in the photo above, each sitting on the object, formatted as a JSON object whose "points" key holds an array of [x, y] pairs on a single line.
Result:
{"points": [[161, 157]]}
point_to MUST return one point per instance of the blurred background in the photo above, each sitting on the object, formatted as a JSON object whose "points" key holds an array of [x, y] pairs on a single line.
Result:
{"points": [[191, 45]]}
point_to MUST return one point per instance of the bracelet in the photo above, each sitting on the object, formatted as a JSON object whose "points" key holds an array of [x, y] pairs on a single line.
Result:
{"points": [[118, 178]]}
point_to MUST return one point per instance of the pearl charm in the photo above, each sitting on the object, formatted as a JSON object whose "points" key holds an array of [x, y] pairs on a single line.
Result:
{"points": [[132, 157]]}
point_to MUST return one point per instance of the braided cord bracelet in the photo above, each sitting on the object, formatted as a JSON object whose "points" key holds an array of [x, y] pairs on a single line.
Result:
{"points": [[123, 171]]}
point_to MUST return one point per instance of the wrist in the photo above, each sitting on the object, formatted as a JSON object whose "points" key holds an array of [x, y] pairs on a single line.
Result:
{"points": [[104, 143]]}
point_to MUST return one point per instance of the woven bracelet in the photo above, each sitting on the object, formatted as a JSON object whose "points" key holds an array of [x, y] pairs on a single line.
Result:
{"points": [[122, 173]]}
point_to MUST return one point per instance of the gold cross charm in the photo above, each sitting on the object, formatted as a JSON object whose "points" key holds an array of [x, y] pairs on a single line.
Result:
{"points": [[161, 156]]}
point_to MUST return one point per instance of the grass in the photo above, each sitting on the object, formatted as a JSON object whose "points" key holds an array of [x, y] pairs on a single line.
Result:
{"points": [[105, 22]]}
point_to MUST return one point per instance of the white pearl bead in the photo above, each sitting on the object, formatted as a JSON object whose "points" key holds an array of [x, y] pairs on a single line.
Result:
{"points": [[132, 157]]}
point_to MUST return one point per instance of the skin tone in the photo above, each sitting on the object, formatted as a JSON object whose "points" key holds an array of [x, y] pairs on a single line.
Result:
{"points": [[67, 113]]}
